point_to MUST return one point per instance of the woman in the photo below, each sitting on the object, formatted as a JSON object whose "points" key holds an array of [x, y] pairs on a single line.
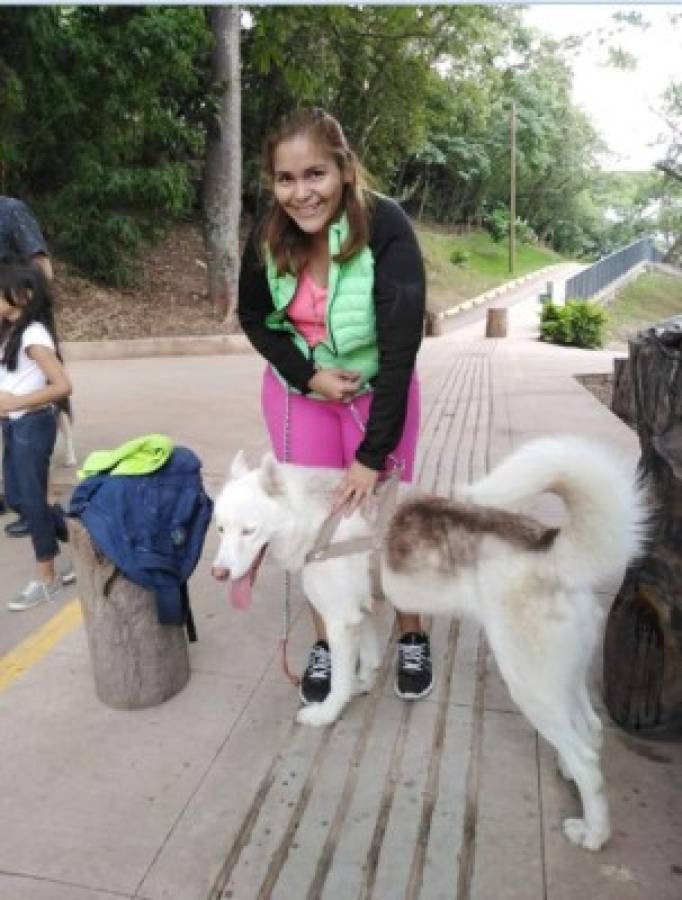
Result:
{"points": [[331, 294]]}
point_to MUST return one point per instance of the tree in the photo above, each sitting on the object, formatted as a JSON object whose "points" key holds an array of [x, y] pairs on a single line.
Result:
{"points": [[222, 186], [671, 167], [101, 124]]}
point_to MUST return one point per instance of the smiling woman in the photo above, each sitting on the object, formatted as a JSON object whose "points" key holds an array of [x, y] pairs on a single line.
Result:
{"points": [[331, 294], [308, 185]]}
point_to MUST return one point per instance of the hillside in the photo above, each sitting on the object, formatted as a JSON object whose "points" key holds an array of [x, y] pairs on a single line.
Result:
{"points": [[170, 296]]}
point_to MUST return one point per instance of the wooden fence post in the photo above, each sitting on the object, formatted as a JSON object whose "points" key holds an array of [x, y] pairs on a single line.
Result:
{"points": [[496, 322], [623, 397]]}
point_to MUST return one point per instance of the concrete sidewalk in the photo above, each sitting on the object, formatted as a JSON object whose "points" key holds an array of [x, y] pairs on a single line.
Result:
{"points": [[217, 794]]}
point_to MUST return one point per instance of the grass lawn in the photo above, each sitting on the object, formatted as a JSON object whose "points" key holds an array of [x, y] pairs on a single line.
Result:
{"points": [[487, 264], [649, 299]]}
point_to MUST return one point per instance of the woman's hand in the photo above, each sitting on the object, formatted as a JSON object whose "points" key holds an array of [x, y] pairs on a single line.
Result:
{"points": [[335, 384], [8, 403], [358, 484]]}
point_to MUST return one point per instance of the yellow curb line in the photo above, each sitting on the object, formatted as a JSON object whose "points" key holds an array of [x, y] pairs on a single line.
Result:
{"points": [[39, 643]]}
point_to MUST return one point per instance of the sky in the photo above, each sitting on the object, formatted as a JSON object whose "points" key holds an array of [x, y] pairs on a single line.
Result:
{"points": [[621, 104]]}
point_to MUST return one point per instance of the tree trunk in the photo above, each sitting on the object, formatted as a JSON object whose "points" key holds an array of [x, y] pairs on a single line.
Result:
{"points": [[136, 662], [222, 189], [643, 640]]}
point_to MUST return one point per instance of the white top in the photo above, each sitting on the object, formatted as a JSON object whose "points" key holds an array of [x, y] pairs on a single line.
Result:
{"points": [[28, 376]]}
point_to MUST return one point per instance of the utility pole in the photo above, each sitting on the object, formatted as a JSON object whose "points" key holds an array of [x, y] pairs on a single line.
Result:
{"points": [[512, 187]]}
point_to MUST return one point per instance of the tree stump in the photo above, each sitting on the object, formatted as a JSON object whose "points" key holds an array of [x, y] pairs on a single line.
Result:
{"points": [[643, 639], [496, 323], [623, 397], [136, 661]]}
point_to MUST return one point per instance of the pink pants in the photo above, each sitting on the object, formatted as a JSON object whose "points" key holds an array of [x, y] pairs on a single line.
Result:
{"points": [[325, 432]]}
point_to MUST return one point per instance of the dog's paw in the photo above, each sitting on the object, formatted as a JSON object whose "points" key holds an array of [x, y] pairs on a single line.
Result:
{"points": [[579, 833], [315, 714]]}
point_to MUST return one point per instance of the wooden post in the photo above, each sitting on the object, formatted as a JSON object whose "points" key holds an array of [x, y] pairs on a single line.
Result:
{"points": [[136, 662], [496, 322], [623, 397], [643, 638], [433, 326]]}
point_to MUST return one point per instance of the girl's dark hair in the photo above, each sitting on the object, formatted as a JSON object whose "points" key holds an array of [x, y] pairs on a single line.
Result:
{"points": [[26, 288], [285, 241]]}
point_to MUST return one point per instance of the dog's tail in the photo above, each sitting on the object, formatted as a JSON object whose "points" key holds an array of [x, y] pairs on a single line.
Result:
{"points": [[605, 503]]}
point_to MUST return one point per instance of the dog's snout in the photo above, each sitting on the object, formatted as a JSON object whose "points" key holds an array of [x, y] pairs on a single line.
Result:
{"points": [[220, 572]]}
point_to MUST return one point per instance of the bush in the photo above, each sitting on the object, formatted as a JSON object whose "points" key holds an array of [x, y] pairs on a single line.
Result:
{"points": [[578, 323], [459, 257], [524, 233], [497, 224]]}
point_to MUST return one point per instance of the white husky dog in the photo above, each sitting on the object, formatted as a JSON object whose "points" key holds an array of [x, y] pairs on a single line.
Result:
{"points": [[530, 586]]}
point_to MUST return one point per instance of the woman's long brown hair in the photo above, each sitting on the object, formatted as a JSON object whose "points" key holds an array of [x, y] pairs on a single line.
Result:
{"points": [[286, 242]]}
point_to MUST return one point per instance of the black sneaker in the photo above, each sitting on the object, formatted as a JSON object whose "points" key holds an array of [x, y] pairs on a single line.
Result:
{"points": [[413, 677], [317, 678]]}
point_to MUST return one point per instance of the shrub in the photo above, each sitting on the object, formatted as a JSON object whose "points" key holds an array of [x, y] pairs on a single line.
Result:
{"points": [[459, 257], [525, 233], [497, 224], [578, 323]]}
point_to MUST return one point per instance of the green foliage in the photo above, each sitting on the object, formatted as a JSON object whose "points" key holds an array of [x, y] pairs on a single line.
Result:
{"points": [[101, 124], [104, 111], [459, 257], [651, 298], [487, 264], [578, 323], [497, 224]]}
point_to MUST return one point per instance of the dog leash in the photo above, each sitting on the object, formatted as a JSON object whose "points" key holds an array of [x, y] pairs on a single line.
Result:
{"points": [[286, 624], [324, 548]]}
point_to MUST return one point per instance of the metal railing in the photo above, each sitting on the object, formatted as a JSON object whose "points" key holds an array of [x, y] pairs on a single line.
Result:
{"points": [[594, 279]]}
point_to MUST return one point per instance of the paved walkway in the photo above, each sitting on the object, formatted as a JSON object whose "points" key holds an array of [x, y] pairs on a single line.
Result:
{"points": [[217, 794]]}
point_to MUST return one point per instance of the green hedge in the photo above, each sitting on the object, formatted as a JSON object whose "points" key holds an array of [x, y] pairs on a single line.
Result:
{"points": [[578, 323]]}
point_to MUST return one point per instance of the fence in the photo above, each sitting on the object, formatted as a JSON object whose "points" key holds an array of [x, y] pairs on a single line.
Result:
{"points": [[593, 280]]}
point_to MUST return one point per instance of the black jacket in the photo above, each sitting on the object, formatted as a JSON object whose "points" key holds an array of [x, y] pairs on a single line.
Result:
{"points": [[399, 300]]}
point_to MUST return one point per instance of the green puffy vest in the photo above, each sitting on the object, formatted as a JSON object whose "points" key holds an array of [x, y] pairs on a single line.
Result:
{"points": [[351, 341]]}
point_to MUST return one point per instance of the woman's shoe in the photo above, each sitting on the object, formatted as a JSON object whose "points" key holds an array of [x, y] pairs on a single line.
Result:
{"points": [[317, 678], [413, 675]]}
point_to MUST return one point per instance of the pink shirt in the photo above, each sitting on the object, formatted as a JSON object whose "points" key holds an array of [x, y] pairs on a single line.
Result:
{"points": [[307, 310]]}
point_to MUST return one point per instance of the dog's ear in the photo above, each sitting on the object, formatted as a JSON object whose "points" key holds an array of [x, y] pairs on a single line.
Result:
{"points": [[270, 477], [239, 468]]}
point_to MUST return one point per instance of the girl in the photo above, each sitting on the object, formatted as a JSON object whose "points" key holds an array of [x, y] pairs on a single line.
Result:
{"points": [[331, 294], [32, 378]]}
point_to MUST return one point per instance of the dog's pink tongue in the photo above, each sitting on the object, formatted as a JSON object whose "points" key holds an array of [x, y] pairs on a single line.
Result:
{"points": [[240, 591]]}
